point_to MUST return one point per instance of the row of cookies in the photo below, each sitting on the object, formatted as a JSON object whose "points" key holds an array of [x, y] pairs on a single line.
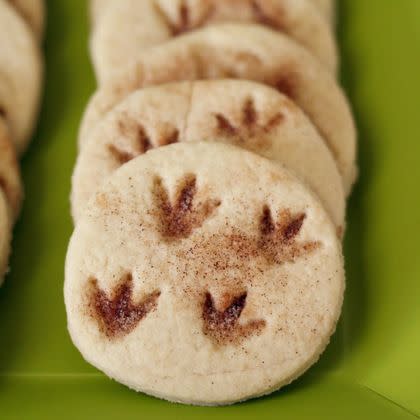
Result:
{"points": [[203, 272], [21, 28], [121, 30], [191, 50]]}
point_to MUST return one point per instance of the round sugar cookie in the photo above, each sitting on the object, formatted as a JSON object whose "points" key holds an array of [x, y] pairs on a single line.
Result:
{"points": [[20, 75], [242, 51], [128, 27], [205, 274], [242, 113]]}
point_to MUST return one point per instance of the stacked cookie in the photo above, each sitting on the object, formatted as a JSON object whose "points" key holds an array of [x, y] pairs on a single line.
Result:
{"points": [[209, 197], [21, 25]]}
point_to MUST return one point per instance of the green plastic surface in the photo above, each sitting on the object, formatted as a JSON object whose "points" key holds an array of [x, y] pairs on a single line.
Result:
{"points": [[371, 369]]}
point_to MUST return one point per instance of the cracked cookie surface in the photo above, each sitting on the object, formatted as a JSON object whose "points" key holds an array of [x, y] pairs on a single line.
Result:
{"points": [[240, 51]]}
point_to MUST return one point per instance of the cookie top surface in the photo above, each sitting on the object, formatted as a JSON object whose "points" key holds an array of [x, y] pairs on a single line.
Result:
{"points": [[20, 75], [10, 180], [243, 113], [203, 273], [246, 52], [127, 27]]}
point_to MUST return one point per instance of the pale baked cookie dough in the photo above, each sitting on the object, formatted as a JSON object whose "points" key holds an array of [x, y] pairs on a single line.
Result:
{"points": [[242, 113], [127, 27], [205, 274], [242, 51], [20, 76]]}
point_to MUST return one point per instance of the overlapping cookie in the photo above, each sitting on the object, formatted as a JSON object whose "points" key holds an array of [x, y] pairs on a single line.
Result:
{"points": [[20, 75], [205, 274], [242, 113], [247, 52], [127, 27]]}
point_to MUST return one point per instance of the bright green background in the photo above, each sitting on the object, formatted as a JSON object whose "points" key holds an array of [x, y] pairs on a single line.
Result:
{"points": [[371, 370]]}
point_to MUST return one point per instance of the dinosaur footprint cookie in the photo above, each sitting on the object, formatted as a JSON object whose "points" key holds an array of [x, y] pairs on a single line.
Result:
{"points": [[241, 51], [242, 113], [185, 283]]}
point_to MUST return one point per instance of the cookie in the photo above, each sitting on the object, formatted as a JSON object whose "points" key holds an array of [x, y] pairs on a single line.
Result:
{"points": [[129, 26], [20, 75], [327, 9], [204, 274], [242, 51], [33, 11], [242, 113], [10, 180], [5, 235]]}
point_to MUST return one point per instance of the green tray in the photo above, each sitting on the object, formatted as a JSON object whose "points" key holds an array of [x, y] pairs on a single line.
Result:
{"points": [[371, 369]]}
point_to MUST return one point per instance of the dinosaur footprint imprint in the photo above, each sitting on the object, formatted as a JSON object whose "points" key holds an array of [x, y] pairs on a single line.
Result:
{"points": [[179, 219], [118, 315], [277, 241], [249, 125], [138, 141], [223, 326]]}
